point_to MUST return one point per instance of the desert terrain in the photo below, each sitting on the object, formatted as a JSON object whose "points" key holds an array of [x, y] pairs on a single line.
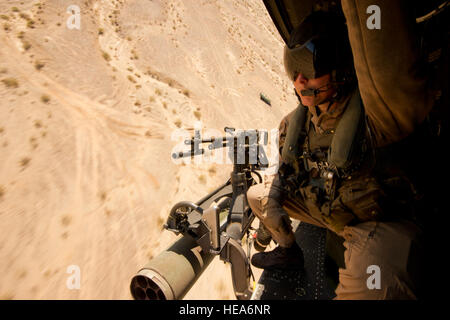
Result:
{"points": [[87, 117]]}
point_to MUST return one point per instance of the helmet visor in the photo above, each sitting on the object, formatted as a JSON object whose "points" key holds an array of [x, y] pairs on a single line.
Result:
{"points": [[313, 59], [311, 49]]}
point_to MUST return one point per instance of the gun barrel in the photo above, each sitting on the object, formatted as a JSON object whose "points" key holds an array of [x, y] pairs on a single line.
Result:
{"points": [[171, 274]]}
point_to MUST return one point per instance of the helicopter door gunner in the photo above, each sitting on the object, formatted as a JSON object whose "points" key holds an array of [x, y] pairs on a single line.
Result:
{"points": [[347, 157]]}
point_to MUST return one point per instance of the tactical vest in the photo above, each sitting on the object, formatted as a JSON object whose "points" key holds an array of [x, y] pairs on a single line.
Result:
{"points": [[347, 183]]}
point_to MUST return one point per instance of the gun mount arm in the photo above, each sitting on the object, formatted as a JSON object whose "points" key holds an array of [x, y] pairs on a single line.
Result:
{"points": [[217, 223]]}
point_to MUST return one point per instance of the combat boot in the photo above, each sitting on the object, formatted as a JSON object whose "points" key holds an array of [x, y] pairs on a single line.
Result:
{"points": [[280, 258], [262, 238]]}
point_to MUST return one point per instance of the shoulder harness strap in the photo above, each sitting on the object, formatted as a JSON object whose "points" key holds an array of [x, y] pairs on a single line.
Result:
{"points": [[295, 137], [346, 145]]}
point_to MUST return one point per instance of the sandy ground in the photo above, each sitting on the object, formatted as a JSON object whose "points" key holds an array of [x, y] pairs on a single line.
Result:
{"points": [[86, 125]]}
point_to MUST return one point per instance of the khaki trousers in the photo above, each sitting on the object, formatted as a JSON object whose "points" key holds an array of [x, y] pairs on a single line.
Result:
{"points": [[382, 259]]}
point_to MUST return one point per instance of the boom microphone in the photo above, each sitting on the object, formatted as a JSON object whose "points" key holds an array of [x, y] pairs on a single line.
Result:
{"points": [[310, 92]]}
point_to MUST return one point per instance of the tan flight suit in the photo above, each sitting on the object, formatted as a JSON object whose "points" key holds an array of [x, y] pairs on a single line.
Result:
{"points": [[388, 245], [395, 101]]}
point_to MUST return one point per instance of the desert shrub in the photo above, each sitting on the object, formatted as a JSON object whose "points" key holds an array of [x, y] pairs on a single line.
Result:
{"points": [[45, 98], [10, 83], [106, 56], [38, 65], [26, 45]]}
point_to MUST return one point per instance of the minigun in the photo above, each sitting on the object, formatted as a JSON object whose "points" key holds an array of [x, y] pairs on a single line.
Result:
{"points": [[219, 224]]}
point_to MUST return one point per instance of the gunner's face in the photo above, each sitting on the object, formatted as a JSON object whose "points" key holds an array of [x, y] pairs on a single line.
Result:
{"points": [[302, 83]]}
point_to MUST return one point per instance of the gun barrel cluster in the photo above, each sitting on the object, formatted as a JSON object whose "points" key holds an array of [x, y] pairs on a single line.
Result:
{"points": [[171, 274]]}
